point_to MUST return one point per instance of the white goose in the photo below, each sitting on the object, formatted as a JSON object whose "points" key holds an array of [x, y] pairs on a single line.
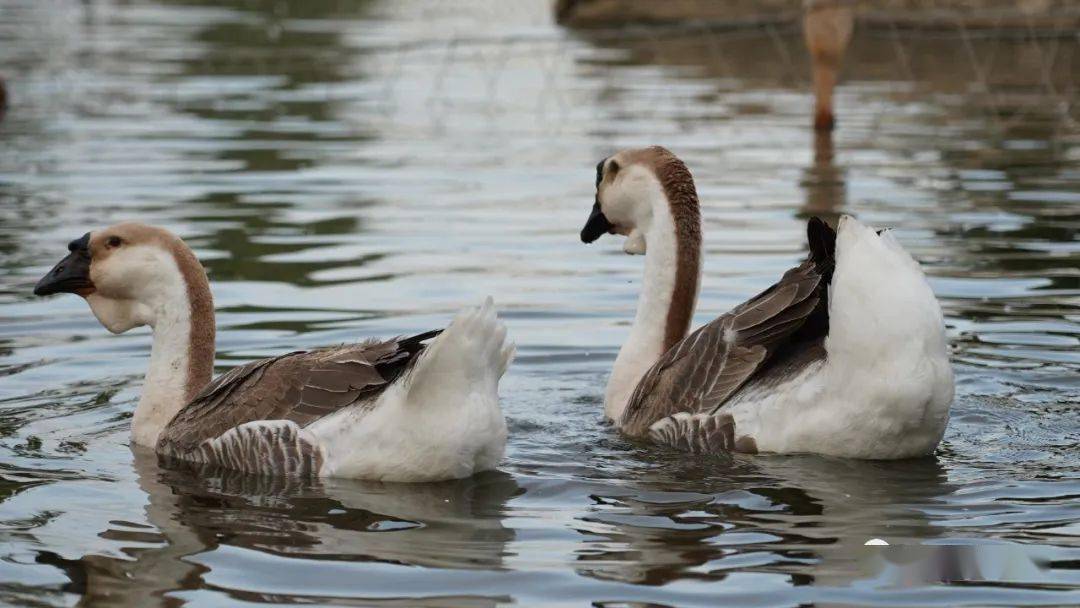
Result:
{"points": [[846, 355], [404, 409]]}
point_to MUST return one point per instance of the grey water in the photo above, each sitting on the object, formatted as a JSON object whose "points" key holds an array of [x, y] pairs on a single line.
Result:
{"points": [[356, 169]]}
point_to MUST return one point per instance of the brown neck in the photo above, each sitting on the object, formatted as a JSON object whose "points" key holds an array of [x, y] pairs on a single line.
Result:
{"points": [[670, 282], [203, 328], [682, 197]]}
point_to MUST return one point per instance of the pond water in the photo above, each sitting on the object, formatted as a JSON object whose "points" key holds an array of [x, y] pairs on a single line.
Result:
{"points": [[356, 169]]}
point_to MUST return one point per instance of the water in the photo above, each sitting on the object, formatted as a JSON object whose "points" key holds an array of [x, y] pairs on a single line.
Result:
{"points": [[347, 170]]}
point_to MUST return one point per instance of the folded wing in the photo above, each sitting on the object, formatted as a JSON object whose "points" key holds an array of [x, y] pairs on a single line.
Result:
{"points": [[252, 418], [703, 371]]}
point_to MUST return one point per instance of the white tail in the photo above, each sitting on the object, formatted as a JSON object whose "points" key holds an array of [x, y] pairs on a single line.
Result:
{"points": [[442, 421], [886, 340], [879, 300], [472, 352]]}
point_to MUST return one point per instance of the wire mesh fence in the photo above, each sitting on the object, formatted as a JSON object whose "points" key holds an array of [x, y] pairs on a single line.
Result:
{"points": [[1006, 67]]}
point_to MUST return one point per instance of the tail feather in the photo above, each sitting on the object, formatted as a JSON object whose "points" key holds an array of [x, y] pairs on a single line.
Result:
{"points": [[506, 355], [879, 300], [472, 350], [418, 338], [395, 363], [822, 240]]}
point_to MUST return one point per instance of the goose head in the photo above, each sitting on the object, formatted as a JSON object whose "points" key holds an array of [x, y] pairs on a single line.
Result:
{"points": [[632, 186], [130, 274]]}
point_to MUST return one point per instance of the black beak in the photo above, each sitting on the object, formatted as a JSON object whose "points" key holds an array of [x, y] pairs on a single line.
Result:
{"points": [[596, 225], [72, 274]]}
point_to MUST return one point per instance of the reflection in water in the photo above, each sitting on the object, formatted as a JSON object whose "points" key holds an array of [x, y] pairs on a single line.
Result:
{"points": [[443, 525], [156, 563], [823, 181], [259, 239], [1005, 565], [819, 510]]}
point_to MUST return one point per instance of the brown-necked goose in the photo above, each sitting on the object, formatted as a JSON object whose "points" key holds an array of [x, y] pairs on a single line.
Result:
{"points": [[845, 355], [422, 408], [827, 26]]}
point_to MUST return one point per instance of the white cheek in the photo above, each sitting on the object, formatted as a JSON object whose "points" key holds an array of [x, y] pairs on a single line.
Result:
{"points": [[630, 198], [133, 273], [620, 207]]}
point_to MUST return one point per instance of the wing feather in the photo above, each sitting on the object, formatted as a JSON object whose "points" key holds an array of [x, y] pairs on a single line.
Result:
{"points": [[252, 417], [700, 433], [705, 369]]}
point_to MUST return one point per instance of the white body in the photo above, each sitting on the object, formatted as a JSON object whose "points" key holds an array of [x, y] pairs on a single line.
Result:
{"points": [[885, 387]]}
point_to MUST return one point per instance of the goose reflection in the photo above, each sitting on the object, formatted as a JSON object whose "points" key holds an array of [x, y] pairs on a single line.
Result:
{"points": [[824, 183], [796, 515], [457, 524]]}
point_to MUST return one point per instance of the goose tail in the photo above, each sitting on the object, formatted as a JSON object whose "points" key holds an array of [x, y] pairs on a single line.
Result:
{"points": [[473, 351], [880, 304]]}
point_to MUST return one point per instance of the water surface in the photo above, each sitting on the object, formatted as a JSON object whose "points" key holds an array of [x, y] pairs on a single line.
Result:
{"points": [[348, 170]]}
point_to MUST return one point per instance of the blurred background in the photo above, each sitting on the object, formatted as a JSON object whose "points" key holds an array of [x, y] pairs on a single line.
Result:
{"points": [[348, 169]]}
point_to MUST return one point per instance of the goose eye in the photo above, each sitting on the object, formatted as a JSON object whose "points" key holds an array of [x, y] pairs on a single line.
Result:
{"points": [[612, 168], [113, 242]]}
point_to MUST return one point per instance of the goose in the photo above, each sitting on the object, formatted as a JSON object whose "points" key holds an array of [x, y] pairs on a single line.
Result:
{"points": [[827, 26], [845, 356], [418, 408]]}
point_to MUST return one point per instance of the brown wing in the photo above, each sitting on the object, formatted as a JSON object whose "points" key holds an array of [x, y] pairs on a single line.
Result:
{"points": [[297, 388], [707, 367]]}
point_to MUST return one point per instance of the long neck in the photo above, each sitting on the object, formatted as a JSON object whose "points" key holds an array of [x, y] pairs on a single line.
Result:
{"points": [[668, 297], [182, 357]]}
